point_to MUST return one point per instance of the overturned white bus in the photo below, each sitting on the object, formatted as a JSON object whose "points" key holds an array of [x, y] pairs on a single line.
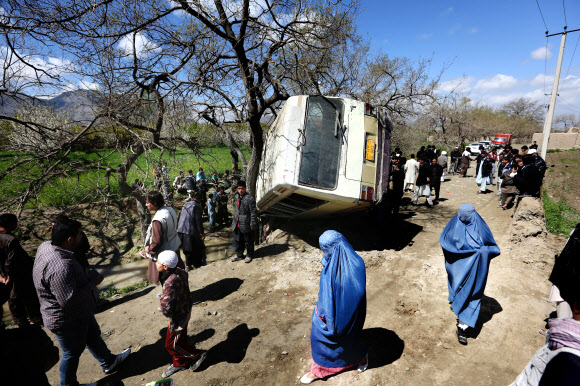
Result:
{"points": [[324, 156]]}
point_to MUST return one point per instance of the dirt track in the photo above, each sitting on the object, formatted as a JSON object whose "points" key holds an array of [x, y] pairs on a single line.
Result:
{"points": [[260, 331]]}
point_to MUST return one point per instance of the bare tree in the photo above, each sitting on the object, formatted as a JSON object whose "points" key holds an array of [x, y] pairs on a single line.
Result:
{"points": [[568, 120]]}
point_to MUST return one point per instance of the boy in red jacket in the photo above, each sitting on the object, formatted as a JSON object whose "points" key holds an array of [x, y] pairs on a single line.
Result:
{"points": [[176, 305]]}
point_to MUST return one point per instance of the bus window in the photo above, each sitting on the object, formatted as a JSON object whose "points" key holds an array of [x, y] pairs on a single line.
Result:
{"points": [[321, 149]]}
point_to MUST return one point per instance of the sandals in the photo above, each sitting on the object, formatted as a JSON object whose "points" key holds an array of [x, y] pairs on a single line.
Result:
{"points": [[237, 258]]}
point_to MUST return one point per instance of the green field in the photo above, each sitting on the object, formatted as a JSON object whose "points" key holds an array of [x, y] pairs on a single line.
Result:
{"points": [[74, 188]]}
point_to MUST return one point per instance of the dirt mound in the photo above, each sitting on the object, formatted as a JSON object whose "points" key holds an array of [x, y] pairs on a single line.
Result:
{"points": [[528, 233], [528, 221]]}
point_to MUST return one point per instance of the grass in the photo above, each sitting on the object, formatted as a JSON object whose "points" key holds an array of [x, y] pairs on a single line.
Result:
{"points": [[111, 290], [561, 218], [561, 150], [84, 187]]}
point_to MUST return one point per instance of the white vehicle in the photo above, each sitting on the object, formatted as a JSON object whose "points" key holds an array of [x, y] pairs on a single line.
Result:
{"points": [[486, 145], [323, 156], [474, 148]]}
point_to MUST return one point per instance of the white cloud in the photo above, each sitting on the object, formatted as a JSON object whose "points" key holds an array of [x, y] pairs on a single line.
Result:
{"points": [[540, 80], [498, 81], [542, 53], [456, 27], [446, 12], [472, 30], [425, 35], [143, 46], [462, 84]]}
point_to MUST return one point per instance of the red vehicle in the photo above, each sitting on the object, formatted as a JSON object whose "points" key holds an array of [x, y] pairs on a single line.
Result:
{"points": [[502, 140]]}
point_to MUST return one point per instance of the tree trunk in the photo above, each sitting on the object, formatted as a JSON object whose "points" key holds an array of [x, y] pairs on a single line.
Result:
{"points": [[255, 157]]}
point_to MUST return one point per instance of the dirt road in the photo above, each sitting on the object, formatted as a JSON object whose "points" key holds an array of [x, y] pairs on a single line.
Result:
{"points": [[255, 318]]}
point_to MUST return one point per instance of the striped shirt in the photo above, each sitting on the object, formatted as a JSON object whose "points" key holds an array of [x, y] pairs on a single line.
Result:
{"points": [[65, 292]]}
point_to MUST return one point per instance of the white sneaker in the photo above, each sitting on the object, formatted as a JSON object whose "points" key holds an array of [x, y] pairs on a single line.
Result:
{"points": [[307, 380], [196, 365], [120, 358]]}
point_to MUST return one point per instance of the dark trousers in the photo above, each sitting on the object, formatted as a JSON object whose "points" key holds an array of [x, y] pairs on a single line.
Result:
{"points": [[182, 352], [193, 249], [23, 302], [463, 170], [437, 188], [243, 240]]}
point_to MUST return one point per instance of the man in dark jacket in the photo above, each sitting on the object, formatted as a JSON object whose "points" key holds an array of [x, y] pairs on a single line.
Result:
{"points": [[538, 161], [395, 194], [16, 276], [436, 173], [528, 180], [189, 182], [422, 187], [244, 223], [190, 232]]}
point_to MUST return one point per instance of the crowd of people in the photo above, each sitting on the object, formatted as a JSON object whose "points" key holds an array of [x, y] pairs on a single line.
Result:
{"points": [[58, 289], [515, 173]]}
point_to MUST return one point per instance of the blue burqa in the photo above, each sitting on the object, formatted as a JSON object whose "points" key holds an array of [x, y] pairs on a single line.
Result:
{"points": [[340, 312], [468, 247]]}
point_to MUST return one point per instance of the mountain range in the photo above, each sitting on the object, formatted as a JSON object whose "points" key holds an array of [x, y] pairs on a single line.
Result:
{"points": [[79, 103]]}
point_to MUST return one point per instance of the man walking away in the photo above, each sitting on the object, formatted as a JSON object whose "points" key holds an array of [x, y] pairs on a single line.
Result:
{"points": [[422, 188], [176, 305], [395, 194], [244, 222], [190, 232], [16, 275], [442, 160], [67, 302], [189, 182], [436, 173], [411, 170], [465, 158]]}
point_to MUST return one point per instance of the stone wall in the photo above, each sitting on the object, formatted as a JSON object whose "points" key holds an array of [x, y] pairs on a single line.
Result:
{"points": [[559, 140]]}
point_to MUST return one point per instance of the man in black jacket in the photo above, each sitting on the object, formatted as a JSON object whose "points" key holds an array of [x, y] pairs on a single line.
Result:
{"points": [[436, 173], [538, 161], [529, 179], [422, 187], [244, 223]]}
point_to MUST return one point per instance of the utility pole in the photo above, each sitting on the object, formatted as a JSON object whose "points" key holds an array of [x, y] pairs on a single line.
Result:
{"points": [[552, 105]]}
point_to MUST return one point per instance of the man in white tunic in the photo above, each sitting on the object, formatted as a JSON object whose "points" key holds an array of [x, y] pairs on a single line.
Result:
{"points": [[411, 170]]}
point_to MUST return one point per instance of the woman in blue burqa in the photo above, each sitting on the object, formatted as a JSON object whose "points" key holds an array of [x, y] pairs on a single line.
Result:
{"points": [[340, 311], [468, 247]]}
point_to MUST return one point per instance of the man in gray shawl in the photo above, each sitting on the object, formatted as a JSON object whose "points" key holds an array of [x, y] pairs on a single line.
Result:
{"points": [[190, 232]]}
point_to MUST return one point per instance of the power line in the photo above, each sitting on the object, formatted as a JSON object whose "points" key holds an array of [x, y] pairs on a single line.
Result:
{"points": [[565, 19], [576, 46], [545, 65], [541, 14]]}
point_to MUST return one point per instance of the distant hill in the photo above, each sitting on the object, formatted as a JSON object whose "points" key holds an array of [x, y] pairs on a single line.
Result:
{"points": [[79, 103]]}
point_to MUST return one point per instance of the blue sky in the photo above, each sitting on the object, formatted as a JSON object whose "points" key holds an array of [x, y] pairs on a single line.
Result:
{"points": [[498, 47]]}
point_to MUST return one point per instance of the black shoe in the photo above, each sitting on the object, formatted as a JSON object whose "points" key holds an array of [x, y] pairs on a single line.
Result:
{"points": [[461, 336]]}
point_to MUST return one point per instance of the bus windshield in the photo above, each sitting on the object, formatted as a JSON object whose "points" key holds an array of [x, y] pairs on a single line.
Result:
{"points": [[322, 143]]}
